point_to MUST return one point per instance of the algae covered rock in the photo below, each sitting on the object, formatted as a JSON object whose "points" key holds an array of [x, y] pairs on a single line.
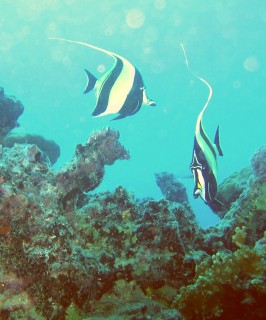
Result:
{"points": [[258, 163], [232, 187], [85, 171], [105, 255], [51, 148], [77, 256], [10, 110], [228, 284], [171, 188]]}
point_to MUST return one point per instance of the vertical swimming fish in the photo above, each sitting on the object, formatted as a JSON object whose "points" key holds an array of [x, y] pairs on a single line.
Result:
{"points": [[204, 156], [120, 90]]}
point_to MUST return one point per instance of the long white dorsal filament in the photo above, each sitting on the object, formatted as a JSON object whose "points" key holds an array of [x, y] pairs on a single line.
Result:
{"points": [[201, 79], [113, 55]]}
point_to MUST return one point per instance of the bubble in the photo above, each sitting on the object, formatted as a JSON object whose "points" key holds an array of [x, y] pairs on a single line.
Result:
{"points": [[251, 64], [109, 31], [82, 119], [177, 20], [101, 68], [151, 35], [263, 15], [52, 27], [31, 10], [236, 84], [6, 41], [147, 50], [160, 4], [67, 61], [135, 18], [157, 66], [57, 55], [163, 133], [23, 33]]}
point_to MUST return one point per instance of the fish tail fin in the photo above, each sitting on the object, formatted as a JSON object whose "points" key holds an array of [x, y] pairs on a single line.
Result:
{"points": [[217, 142], [91, 81]]}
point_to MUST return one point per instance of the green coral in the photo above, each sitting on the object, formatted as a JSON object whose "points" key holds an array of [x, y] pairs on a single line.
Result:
{"points": [[260, 201], [72, 313], [222, 276]]}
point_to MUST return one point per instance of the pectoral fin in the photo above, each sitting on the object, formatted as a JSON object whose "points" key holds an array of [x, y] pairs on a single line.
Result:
{"points": [[217, 142]]}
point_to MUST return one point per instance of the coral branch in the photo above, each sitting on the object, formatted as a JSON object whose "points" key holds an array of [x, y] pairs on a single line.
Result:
{"points": [[86, 170]]}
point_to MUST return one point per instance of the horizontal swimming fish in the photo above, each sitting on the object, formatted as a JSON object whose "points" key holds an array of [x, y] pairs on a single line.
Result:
{"points": [[120, 90], [204, 157]]}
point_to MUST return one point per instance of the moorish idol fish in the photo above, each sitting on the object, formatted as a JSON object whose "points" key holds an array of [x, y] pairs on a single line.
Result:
{"points": [[120, 90], [204, 157]]}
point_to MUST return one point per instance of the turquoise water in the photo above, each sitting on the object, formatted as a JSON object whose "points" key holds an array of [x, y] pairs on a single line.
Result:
{"points": [[225, 44]]}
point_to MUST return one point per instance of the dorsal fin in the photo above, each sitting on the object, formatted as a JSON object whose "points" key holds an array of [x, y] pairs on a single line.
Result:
{"points": [[217, 142], [91, 81], [112, 54], [202, 80]]}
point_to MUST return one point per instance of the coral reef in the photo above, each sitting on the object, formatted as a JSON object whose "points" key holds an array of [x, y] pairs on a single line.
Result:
{"points": [[258, 163], [227, 285], [85, 172], [107, 256], [231, 188], [171, 188], [10, 110], [49, 147], [68, 253]]}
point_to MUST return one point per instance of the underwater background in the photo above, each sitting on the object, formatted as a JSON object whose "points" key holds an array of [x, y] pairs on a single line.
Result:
{"points": [[224, 41], [225, 44]]}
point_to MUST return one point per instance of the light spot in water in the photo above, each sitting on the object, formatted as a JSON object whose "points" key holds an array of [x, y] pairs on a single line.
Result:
{"points": [[236, 84], [69, 1], [160, 4], [147, 50], [101, 68], [82, 119], [263, 15], [157, 66], [67, 61], [6, 41], [52, 27], [57, 55], [31, 10], [23, 33], [251, 64], [135, 18], [109, 31], [163, 133], [151, 35], [176, 20]]}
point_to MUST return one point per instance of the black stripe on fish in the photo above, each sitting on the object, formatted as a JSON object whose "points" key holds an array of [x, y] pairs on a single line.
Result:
{"points": [[207, 140], [108, 103], [204, 159], [205, 182], [134, 98], [106, 88]]}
